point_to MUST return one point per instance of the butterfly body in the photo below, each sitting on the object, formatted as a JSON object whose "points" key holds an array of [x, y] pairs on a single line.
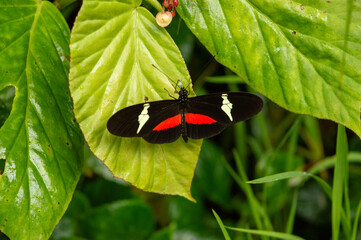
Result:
{"points": [[195, 117]]}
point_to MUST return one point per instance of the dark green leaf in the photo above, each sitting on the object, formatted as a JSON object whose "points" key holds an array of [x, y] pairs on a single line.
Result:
{"points": [[290, 51], [40, 141]]}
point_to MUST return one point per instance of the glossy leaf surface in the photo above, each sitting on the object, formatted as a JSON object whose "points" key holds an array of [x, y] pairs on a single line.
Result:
{"points": [[113, 47], [290, 51], [40, 141]]}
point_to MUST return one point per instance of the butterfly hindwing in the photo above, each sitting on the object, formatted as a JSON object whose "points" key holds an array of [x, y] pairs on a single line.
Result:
{"points": [[198, 131]]}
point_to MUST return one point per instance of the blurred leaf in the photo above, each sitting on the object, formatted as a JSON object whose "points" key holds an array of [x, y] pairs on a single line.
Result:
{"points": [[289, 51], [165, 233], [113, 47], [313, 204], [125, 219], [212, 175], [40, 140], [68, 227], [220, 223], [101, 191], [186, 214]]}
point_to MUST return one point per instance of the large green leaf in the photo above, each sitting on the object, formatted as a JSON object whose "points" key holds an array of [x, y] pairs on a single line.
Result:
{"points": [[40, 141], [113, 46], [290, 51]]}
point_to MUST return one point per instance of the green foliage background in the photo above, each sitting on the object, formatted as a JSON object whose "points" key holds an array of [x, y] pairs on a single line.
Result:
{"points": [[302, 55]]}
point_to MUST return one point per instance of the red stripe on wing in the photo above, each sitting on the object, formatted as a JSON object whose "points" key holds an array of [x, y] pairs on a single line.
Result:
{"points": [[169, 123], [194, 118]]}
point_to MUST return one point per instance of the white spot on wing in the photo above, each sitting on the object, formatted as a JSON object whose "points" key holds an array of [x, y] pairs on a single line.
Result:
{"points": [[143, 117], [227, 106]]}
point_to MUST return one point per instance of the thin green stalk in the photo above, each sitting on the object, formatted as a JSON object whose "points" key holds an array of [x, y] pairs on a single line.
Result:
{"points": [[264, 131], [356, 222], [292, 214], [241, 137], [290, 132], [255, 206], [249, 192], [312, 136], [241, 140], [292, 145], [353, 157], [256, 147], [262, 125]]}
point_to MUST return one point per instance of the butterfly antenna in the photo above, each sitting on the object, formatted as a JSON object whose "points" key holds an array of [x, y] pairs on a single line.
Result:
{"points": [[169, 93], [171, 80], [188, 86]]}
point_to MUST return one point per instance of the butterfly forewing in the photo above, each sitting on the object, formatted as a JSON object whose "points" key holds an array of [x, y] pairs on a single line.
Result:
{"points": [[223, 109], [226, 108], [140, 119]]}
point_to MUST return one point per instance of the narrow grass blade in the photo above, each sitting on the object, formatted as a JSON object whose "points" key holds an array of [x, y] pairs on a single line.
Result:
{"points": [[257, 209], [220, 223], [278, 177], [353, 157], [356, 222], [339, 179], [292, 214], [291, 147], [312, 137], [277, 235], [254, 204]]}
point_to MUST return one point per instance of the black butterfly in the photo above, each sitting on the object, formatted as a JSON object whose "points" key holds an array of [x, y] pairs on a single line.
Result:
{"points": [[195, 117]]}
